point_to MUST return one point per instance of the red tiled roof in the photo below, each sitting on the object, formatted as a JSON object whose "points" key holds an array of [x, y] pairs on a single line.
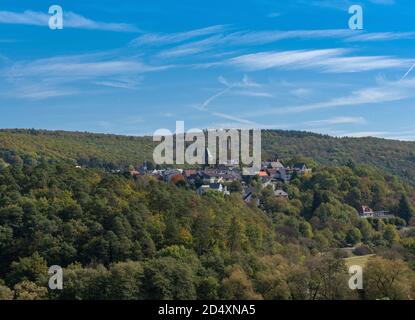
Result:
{"points": [[263, 174]]}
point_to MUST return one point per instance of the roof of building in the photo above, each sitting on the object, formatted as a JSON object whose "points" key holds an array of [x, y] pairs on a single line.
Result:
{"points": [[281, 193], [215, 186], [366, 209], [276, 164], [300, 165], [263, 174], [211, 173], [272, 171], [247, 196], [190, 172]]}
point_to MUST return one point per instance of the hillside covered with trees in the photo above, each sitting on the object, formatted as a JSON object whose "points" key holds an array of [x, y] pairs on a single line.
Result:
{"points": [[112, 151], [119, 237]]}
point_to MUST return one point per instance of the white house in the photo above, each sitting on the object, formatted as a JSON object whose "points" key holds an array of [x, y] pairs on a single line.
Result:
{"points": [[213, 186]]}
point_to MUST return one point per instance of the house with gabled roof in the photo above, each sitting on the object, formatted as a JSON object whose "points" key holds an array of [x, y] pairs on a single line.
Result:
{"points": [[301, 168], [276, 164], [213, 187], [272, 172], [284, 175]]}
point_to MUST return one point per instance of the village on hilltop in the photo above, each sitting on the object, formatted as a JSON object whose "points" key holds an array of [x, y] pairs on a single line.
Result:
{"points": [[228, 178], [221, 178]]}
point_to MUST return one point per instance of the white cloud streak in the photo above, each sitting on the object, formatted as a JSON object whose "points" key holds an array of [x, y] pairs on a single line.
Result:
{"points": [[71, 20], [380, 36], [221, 36], [336, 121], [191, 48], [233, 118], [244, 84], [46, 78], [173, 38], [408, 72], [325, 60], [80, 69], [388, 92]]}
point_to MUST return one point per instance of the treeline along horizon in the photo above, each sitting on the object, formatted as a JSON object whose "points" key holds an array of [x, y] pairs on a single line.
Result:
{"points": [[115, 151]]}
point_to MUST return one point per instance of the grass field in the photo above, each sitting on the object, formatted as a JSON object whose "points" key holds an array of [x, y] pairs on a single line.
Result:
{"points": [[358, 260]]}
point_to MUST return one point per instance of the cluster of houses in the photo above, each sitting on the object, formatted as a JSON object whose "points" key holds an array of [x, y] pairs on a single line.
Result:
{"points": [[275, 170], [218, 178]]}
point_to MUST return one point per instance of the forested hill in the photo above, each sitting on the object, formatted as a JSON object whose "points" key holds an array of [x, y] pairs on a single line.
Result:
{"points": [[119, 236], [394, 157], [89, 149]]}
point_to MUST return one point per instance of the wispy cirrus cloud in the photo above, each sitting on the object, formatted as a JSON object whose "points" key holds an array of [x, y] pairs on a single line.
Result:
{"points": [[191, 48], [60, 76], [336, 121], [123, 83], [247, 84], [408, 72], [293, 59], [386, 92], [238, 38], [223, 37], [294, 125], [233, 118], [361, 63], [174, 38], [247, 93], [42, 91], [27, 18], [68, 68], [71, 20], [380, 36], [265, 37], [270, 36], [324, 60]]}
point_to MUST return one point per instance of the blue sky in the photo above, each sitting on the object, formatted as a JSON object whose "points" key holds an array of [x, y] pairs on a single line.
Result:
{"points": [[131, 67]]}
